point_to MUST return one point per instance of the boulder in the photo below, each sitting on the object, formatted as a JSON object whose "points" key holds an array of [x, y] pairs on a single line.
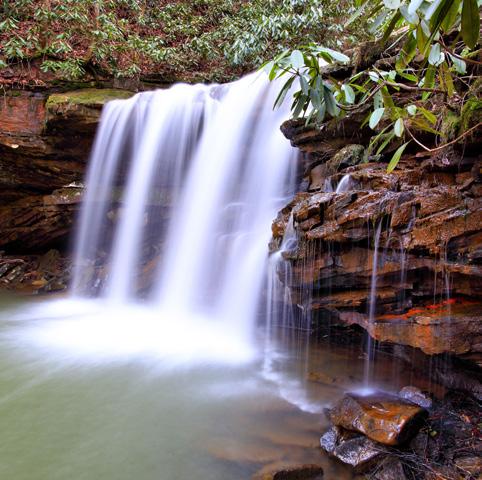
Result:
{"points": [[353, 449], [383, 418]]}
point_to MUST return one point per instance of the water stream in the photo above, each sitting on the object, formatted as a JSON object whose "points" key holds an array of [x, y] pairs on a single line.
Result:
{"points": [[159, 364], [372, 304]]}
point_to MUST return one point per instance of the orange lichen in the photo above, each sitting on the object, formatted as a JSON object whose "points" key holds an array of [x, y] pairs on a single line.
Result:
{"points": [[430, 310]]}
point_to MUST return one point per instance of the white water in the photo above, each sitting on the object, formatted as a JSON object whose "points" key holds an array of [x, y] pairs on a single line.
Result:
{"points": [[345, 184], [372, 305], [185, 183]]}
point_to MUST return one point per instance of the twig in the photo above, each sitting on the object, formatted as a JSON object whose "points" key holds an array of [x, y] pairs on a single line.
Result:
{"points": [[414, 89], [416, 141], [431, 150], [456, 55]]}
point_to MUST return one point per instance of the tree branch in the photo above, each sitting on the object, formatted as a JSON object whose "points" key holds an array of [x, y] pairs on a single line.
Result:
{"points": [[414, 89], [431, 150]]}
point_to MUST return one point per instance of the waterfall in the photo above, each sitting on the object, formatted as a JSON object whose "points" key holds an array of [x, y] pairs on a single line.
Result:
{"points": [[185, 183]]}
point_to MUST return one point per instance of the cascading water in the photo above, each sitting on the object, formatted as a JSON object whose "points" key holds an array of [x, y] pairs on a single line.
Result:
{"points": [[183, 183], [345, 184]]}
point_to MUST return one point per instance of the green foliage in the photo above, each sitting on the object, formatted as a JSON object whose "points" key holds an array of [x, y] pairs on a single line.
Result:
{"points": [[279, 24], [435, 42], [133, 37]]}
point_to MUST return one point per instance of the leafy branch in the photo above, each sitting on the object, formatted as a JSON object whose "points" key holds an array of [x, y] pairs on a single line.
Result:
{"points": [[425, 66]]}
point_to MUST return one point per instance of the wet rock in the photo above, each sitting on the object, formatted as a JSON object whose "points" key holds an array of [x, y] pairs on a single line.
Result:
{"points": [[353, 449], [32, 274], [330, 439], [416, 396], [290, 472], [449, 326], [431, 237], [381, 417], [431, 231]]}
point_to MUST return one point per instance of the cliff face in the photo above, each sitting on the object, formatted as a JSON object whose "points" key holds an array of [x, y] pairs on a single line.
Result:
{"points": [[410, 240], [45, 140]]}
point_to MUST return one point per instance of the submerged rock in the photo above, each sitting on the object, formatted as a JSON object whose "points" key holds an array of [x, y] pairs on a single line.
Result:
{"points": [[290, 472], [381, 417], [351, 448]]}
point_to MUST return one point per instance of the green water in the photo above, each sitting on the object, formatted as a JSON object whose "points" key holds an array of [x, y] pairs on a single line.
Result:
{"points": [[136, 418]]}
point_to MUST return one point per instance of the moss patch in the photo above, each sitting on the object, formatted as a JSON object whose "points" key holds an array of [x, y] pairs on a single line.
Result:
{"points": [[471, 114], [450, 125], [89, 97]]}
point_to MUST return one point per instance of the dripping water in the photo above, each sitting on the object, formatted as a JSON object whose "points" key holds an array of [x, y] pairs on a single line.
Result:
{"points": [[372, 306]]}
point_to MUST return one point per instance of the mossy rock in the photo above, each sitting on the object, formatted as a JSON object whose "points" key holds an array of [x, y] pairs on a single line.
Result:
{"points": [[471, 115], [87, 97], [449, 129], [346, 157]]}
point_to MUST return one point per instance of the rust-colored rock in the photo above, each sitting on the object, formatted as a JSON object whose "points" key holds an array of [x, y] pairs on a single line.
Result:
{"points": [[21, 113], [430, 247], [290, 472], [381, 417], [45, 141]]}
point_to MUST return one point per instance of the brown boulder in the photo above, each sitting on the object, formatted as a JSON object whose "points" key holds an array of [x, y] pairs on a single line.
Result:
{"points": [[381, 417]]}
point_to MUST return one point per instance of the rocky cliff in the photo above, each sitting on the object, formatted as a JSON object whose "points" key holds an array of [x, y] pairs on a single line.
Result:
{"points": [[45, 140], [398, 254]]}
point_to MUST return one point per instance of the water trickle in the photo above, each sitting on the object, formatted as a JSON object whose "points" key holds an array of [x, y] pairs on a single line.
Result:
{"points": [[372, 303], [345, 184], [328, 186], [279, 310]]}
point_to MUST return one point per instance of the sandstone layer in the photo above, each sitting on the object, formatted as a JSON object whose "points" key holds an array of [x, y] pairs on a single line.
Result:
{"points": [[45, 141], [399, 254]]}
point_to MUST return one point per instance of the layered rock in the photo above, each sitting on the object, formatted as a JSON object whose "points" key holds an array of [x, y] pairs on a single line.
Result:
{"points": [[398, 254], [45, 140]]}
